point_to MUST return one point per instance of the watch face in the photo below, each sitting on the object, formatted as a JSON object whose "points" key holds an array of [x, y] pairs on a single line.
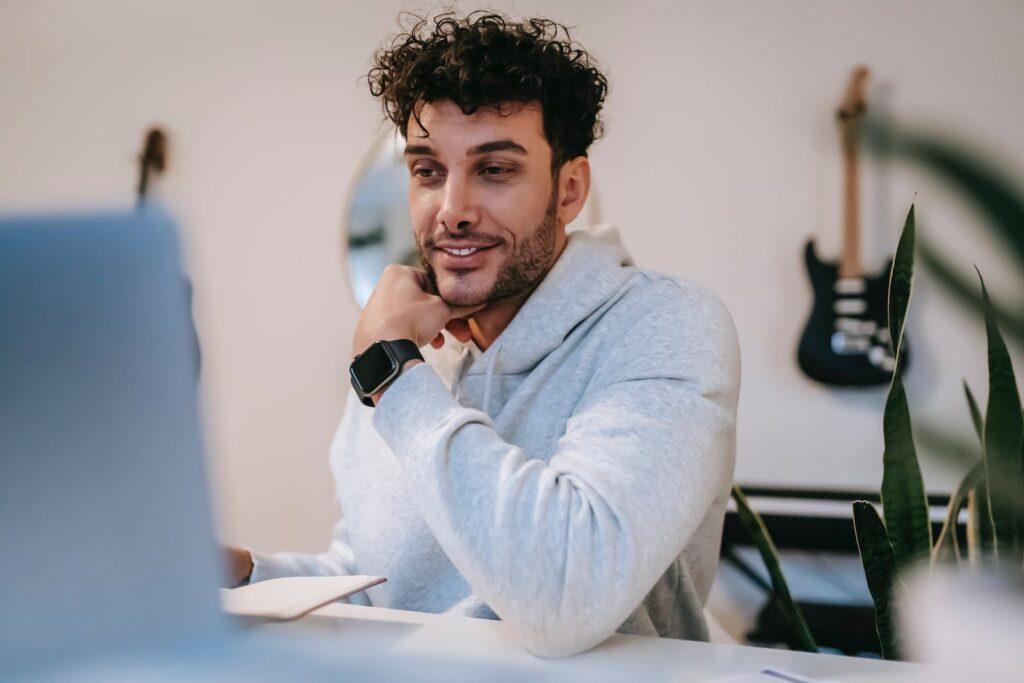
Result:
{"points": [[373, 368]]}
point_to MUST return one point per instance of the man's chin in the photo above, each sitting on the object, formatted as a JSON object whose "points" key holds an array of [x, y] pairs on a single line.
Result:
{"points": [[460, 295], [464, 300]]}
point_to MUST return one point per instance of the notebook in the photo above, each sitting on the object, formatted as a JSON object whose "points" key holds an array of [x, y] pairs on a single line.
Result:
{"points": [[291, 597]]}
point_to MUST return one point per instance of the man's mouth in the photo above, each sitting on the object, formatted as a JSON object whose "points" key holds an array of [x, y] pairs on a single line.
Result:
{"points": [[463, 257], [464, 251]]}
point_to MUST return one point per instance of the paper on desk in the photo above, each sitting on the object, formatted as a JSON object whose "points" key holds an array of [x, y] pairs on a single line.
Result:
{"points": [[767, 676], [292, 597], [744, 678]]}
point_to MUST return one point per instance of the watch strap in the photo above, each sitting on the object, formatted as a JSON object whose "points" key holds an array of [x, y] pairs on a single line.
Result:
{"points": [[404, 350]]}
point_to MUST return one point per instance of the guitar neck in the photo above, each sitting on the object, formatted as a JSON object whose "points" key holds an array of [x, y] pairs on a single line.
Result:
{"points": [[849, 115], [849, 260]]}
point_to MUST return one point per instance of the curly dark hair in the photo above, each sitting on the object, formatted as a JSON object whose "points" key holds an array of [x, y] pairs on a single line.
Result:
{"points": [[484, 60]]}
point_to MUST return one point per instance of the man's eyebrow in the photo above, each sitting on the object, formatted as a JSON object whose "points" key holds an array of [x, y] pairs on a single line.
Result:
{"points": [[418, 150], [498, 146], [493, 146]]}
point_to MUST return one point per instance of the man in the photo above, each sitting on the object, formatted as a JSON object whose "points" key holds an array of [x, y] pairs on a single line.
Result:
{"points": [[563, 457]]}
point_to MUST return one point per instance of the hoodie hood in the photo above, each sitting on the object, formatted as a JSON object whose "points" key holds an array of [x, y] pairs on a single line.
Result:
{"points": [[592, 267]]}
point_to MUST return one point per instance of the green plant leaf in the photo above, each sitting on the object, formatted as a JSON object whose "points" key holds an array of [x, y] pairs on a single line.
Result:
{"points": [[903, 497], [981, 541], [976, 418], [1004, 431], [755, 528], [904, 502], [947, 445], [947, 548], [965, 293], [991, 191], [981, 536], [901, 281], [876, 554]]}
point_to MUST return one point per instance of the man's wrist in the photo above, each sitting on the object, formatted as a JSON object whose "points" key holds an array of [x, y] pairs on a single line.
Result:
{"points": [[405, 366], [365, 340]]}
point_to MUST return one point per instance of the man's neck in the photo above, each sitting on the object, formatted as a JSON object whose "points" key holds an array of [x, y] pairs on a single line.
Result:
{"points": [[486, 324]]}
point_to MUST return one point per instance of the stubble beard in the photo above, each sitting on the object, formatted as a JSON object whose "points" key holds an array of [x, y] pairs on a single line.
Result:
{"points": [[520, 271]]}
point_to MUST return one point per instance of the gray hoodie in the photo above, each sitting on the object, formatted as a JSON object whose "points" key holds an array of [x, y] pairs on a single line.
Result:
{"points": [[571, 480]]}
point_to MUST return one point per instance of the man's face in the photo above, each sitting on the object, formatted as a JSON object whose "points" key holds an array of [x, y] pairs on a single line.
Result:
{"points": [[482, 183]]}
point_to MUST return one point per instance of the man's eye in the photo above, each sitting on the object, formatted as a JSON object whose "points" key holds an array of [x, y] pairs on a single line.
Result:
{"points": [[496, 171], [423, 172]]}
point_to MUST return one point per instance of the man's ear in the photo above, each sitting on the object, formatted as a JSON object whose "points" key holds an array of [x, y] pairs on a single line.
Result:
{"points": [[574, 187]]}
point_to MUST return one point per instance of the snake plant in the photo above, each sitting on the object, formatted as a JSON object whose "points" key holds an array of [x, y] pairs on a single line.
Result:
{"points": [[993, 487]]}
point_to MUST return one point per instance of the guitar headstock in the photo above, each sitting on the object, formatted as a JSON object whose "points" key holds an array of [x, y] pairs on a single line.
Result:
{"points": [[854, 105], [152, 159]]}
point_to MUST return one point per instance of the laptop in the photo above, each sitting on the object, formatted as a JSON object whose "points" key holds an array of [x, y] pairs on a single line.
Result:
{"points": [[109, 568]]}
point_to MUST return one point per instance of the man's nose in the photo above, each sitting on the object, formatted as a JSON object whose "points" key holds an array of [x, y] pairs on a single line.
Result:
{"points": [[458, 208]]}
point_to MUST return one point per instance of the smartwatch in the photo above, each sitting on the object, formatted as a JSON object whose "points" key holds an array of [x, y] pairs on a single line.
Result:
{"points": [[379, 365]]}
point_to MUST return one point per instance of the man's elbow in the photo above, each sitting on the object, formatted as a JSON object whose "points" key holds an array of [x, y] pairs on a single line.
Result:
{"points": [[562, 637]]}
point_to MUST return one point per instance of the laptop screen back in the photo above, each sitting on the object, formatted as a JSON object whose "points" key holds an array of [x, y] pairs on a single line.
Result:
{"points": [[105, 535]]}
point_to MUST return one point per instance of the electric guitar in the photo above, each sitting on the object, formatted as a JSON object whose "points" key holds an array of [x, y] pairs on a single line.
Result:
{"points": [[846, 341]]}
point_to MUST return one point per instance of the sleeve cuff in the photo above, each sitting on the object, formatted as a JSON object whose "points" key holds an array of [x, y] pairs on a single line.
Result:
{"points": [[417, 403], [267, 567]]}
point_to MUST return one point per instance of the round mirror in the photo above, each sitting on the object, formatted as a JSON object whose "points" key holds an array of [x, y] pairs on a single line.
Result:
{"points": [[379, 230]]}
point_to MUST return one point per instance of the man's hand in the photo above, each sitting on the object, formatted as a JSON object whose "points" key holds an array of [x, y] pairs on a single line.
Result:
{"points": [[239, 565], [400, 307]]}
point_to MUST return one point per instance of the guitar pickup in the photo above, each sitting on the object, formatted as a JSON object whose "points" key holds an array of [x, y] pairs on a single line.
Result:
{"points": [[856, 326], [850, 285], [844, 344], [850, 307]]}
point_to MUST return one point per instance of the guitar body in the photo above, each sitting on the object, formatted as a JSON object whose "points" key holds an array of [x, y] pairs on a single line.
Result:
{"points": [[846, 340]]}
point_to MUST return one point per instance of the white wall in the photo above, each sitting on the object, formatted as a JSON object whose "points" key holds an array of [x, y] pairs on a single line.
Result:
{"points": [[720, 159]]}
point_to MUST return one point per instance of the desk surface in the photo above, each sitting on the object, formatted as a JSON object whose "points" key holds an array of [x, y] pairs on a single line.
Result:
{"points": [[488, 647]]}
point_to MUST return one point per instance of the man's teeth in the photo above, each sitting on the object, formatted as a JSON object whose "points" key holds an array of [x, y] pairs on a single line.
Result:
{"points": [[462, 252]]}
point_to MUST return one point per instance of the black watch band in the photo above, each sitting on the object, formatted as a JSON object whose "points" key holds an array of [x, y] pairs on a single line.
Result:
{"points": [[379, 365]]}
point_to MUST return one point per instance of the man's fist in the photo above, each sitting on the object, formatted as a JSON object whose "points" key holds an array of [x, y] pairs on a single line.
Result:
{"points": [[400, 307], [238, 562]]}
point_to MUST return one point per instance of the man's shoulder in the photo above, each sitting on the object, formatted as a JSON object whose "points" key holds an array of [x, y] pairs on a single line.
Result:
{"points": [[656, 300], [667, 324]]}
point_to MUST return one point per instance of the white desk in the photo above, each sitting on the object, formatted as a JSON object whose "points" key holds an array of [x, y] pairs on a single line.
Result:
{"points": [[481, 649]]}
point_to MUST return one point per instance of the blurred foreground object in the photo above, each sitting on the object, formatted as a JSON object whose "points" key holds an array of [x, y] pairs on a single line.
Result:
{"points": [[103, 492], [964, 627], [108, 563]]}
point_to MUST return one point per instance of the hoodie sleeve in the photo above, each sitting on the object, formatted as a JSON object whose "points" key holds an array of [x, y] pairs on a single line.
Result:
{"points": [[565, 550], [336, 560]]}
